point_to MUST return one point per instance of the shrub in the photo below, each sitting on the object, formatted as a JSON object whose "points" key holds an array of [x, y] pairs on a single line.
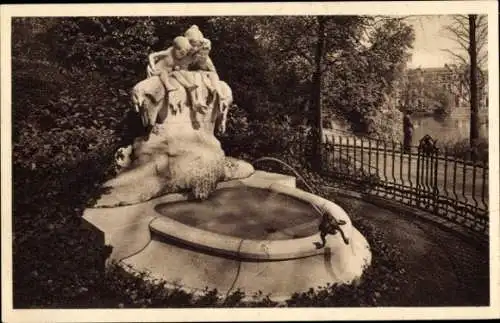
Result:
{"points": [[444, 103], [386, 125], [463, 150], [55, 260], [275, 137], [66, 127], [117, 46]]}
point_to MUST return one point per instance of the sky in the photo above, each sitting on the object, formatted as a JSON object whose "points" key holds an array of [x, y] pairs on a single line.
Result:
{"points": [[430, 39]]}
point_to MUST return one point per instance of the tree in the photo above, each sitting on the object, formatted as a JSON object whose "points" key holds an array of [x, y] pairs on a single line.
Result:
{"points": [[241, 61], [333, 35], [474, 120], [297, 49], [365, 76], [459, 31], [470, 32], [443, 102], [342, 67], [317, 113]]}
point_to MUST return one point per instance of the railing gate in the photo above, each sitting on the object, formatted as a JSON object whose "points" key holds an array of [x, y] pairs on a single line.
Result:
{"points": [[427, 173]]}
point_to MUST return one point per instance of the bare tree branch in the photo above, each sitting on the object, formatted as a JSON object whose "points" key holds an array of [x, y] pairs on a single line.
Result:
{"points": [[462, 21], [482, 20], [464, 61], [482, 75], [482, 38], [458, 31], [482, 59], [459, 36]]}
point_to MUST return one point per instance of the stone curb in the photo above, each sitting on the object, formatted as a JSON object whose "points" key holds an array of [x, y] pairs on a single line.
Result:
{"points": [[246, 249], [200, 292]]}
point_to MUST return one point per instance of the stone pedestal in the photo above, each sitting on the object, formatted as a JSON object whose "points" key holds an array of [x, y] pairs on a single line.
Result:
{"points": [[145, 240]]}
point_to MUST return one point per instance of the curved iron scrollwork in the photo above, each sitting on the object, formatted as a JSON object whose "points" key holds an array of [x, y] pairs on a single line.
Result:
{"points": [[427, 146]]}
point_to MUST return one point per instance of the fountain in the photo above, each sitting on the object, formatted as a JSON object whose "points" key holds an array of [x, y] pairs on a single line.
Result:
{"points": [[186, 213]]}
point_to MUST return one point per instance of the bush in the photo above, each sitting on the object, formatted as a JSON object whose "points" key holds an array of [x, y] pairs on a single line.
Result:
{"points": [[387, 125], [463, 150], [118, 46], [445, 104], [275, 137], [66, 128], [129, 289]]}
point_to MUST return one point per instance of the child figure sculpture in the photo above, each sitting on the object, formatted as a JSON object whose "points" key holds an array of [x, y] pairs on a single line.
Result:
{"points": [[173, 60], [201, 61]]}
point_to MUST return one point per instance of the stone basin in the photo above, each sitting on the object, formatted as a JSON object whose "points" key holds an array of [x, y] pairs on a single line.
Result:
{"points": [[248, 222], [248, 213], [257, 234]]}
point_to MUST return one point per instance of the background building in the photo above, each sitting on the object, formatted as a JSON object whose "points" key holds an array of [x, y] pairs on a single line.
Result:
{"points": [[419, 84]]}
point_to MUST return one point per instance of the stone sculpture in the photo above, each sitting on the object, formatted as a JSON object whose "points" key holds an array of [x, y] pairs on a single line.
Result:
{"points": [[179, 152], [171, 61]]}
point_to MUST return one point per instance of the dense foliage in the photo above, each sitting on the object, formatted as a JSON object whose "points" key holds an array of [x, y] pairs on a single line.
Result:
{"points": [[425, 97], [71, 79], [269, 61]]}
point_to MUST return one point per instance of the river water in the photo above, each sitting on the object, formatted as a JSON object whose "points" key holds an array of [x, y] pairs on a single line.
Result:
{"points": [[451, 129]]}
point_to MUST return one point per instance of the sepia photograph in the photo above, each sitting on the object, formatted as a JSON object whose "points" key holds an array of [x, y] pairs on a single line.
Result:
{"points": [[332, 159]]}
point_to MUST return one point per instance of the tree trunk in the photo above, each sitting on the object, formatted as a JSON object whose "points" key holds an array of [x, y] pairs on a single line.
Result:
{"points": [[474, 121], [316, 111]]}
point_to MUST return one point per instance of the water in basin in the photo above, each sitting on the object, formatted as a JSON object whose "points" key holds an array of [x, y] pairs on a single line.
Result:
{"points": [[247, 213]]}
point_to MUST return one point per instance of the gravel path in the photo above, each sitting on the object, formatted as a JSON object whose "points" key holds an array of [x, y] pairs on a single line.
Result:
{"points": [[442, 268]]}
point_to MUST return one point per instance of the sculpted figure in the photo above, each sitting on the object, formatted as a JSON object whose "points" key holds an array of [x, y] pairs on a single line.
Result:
{"points": [[173, 60], [224, 106], [330, 225], [179, 153], [201, 61], [148, 99]]}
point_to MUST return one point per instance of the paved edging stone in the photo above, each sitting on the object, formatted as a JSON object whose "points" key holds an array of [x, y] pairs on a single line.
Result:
{"points": [[246, 249]]}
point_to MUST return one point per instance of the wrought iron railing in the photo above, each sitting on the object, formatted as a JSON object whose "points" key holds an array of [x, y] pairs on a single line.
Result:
{"points": [[422, 176]]}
